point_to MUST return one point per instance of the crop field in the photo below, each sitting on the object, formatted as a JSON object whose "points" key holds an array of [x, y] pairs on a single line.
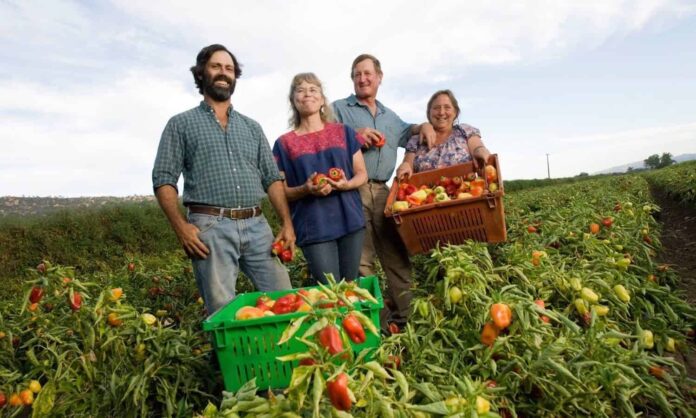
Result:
{"points": [[577, 314]]}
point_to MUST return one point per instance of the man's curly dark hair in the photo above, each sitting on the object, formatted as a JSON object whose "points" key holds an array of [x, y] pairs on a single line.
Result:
{"points": [[203, 58]]}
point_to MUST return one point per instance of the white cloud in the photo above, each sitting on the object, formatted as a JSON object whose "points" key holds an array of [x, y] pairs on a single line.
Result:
{"points": [[87, 88]]}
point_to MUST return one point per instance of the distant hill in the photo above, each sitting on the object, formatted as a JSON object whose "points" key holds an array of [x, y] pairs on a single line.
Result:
{"points": [[639, 165], [15, 205]]}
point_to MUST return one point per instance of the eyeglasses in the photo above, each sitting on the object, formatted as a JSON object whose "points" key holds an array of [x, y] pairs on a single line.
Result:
{"points": [[311, 91]]}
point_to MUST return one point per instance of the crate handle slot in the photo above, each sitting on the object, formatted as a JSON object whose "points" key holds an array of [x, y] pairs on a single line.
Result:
{"points": [[397, 218], [491, 201], [220, 338]]}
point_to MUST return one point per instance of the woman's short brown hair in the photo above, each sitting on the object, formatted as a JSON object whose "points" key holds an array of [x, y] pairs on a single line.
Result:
{"points": [[449, 94]]}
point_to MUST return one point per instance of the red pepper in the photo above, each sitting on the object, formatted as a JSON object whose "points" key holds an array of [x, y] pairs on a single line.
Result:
{"points": [[75, 302], [307, 362], [264, 303], [429, 199], [284, 304], [401, 195], [354, 329], [338, 392], [319, 180], [380, 142], [330, 338], [36, 294], [540, 303], [326, 305], [413, 201], [452, 189], [277, 247], [335, 173], [393, 362], [408, 188], [286, 256], [501, 315]]}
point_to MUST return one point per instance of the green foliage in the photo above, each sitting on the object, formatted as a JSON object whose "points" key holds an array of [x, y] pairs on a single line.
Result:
{"points": [[678, 181], [95, 239], [655, 161], [516, 185]]}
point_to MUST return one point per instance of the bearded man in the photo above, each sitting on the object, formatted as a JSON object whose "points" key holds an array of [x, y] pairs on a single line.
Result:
{"points": [[228, 168]]}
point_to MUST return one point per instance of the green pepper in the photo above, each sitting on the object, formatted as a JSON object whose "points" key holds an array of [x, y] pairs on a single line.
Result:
{"points": [[600, 310], [647, 339], [589, 295], [580, 306], [575, 284], [622, 293], [455, 295]]}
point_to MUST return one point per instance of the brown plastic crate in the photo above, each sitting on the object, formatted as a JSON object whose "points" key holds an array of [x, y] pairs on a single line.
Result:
{"points": [[451, 222]]}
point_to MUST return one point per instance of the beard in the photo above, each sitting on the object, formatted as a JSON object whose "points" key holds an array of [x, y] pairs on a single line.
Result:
{"points": [[218, 93]]}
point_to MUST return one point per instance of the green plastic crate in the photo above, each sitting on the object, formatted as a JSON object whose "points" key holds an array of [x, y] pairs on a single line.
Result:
{"points": [[248, 349]]}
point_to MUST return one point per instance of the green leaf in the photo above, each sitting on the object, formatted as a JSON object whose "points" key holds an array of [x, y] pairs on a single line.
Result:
{"points": [[291, 329], [43, 404]]}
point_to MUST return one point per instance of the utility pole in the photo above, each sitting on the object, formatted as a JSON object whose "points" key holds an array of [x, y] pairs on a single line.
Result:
{"points": [[548, 168]]}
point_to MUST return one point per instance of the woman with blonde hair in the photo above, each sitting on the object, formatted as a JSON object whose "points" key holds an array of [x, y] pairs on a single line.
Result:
{"points": [[326, 211]]}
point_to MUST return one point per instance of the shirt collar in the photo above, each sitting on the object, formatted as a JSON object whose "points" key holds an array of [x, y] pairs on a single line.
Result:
{"points": [[353, 101], [206, 107]]}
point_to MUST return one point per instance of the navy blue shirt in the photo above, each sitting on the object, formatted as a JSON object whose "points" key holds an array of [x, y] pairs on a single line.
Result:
{"points": [[319, 219]]}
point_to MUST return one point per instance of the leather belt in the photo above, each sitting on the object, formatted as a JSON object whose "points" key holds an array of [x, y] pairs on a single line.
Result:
{"points": [[226, 212], [376, 181]]}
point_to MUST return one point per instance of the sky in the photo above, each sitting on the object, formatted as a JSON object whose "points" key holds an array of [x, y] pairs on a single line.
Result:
{"points": [[86, 87]]}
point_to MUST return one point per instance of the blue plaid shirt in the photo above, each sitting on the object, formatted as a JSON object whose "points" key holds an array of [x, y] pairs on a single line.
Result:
{"points": [[379, 162], [230, 168]]}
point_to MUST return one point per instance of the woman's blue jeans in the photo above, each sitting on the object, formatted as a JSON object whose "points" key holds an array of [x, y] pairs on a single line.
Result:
{"points": [[340, 257]]}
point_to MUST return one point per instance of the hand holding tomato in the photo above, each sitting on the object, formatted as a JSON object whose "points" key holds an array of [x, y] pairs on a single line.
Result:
{"points": [[318, 185], [373, 137], [341, 184]]}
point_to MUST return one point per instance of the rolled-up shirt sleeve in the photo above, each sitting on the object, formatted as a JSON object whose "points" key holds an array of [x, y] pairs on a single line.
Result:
{"points": [[267, 163], [169, 162], [412, 144], [469, 130]]}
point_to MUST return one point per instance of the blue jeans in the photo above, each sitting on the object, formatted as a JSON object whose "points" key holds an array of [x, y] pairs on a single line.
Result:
{"points": [[341, 257], [235, 244]]}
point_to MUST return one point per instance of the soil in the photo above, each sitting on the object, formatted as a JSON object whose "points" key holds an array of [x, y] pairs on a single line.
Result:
{"points": [[679, 252]]}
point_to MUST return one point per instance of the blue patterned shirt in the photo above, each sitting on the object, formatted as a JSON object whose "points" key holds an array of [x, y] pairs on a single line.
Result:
{"points": [[230, 168], [380, 162], [455, 150]]}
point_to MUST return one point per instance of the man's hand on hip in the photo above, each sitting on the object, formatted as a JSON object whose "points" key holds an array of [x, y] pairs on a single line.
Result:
{"points": [[194, 247]]}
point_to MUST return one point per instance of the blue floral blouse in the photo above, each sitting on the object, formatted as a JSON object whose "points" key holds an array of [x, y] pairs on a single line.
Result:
{"points": [[451, 152]]}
